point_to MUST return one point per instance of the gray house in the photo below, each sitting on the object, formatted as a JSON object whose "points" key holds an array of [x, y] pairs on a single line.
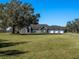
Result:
{"points": [[42, 28]]}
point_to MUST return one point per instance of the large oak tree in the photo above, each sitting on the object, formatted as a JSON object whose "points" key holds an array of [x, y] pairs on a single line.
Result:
{"points": [[18, 14]]}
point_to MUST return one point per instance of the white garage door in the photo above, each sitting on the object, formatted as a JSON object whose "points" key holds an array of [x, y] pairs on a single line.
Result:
{"points": [[51, 31], [56, 31], [61, 31]]}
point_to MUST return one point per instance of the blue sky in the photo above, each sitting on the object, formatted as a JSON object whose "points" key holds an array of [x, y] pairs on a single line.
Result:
{"points": [[54, 12]]}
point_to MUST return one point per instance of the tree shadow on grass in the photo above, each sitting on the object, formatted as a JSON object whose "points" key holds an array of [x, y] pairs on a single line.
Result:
{"points": [[5, 43], [8, 44], [12, 52], [2, 40]]}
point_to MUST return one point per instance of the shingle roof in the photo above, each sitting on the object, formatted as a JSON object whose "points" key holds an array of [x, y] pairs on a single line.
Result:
{"points": [[44, 26], [39, 26], [55, 28]]}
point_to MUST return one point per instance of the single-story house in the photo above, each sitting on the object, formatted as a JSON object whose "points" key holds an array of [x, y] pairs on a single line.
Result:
{"points": [[42, 28], [39, 28]]}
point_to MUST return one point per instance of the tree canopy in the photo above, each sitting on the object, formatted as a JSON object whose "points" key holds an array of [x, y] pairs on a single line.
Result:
{"points": [[16, 13], [73, 26]]}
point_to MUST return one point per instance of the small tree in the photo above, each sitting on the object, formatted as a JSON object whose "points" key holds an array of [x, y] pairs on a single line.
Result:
{"points": [[73, 26]]}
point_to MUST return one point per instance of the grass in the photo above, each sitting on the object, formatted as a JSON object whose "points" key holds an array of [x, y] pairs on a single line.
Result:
{"points": [[64, 46]]}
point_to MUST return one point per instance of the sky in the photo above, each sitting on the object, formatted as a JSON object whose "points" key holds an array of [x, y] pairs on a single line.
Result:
{"points": [[54, 12]]}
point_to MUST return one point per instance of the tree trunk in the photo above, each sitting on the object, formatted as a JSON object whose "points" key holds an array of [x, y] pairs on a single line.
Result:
{"points": [[13, 29]]}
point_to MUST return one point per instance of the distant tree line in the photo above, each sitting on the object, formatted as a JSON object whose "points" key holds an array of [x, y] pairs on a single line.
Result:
{"points": [[15, 13], [73, 26]]}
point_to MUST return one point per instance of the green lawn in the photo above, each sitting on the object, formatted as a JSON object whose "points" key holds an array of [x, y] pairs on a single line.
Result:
{"points": [[64, 46]]}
